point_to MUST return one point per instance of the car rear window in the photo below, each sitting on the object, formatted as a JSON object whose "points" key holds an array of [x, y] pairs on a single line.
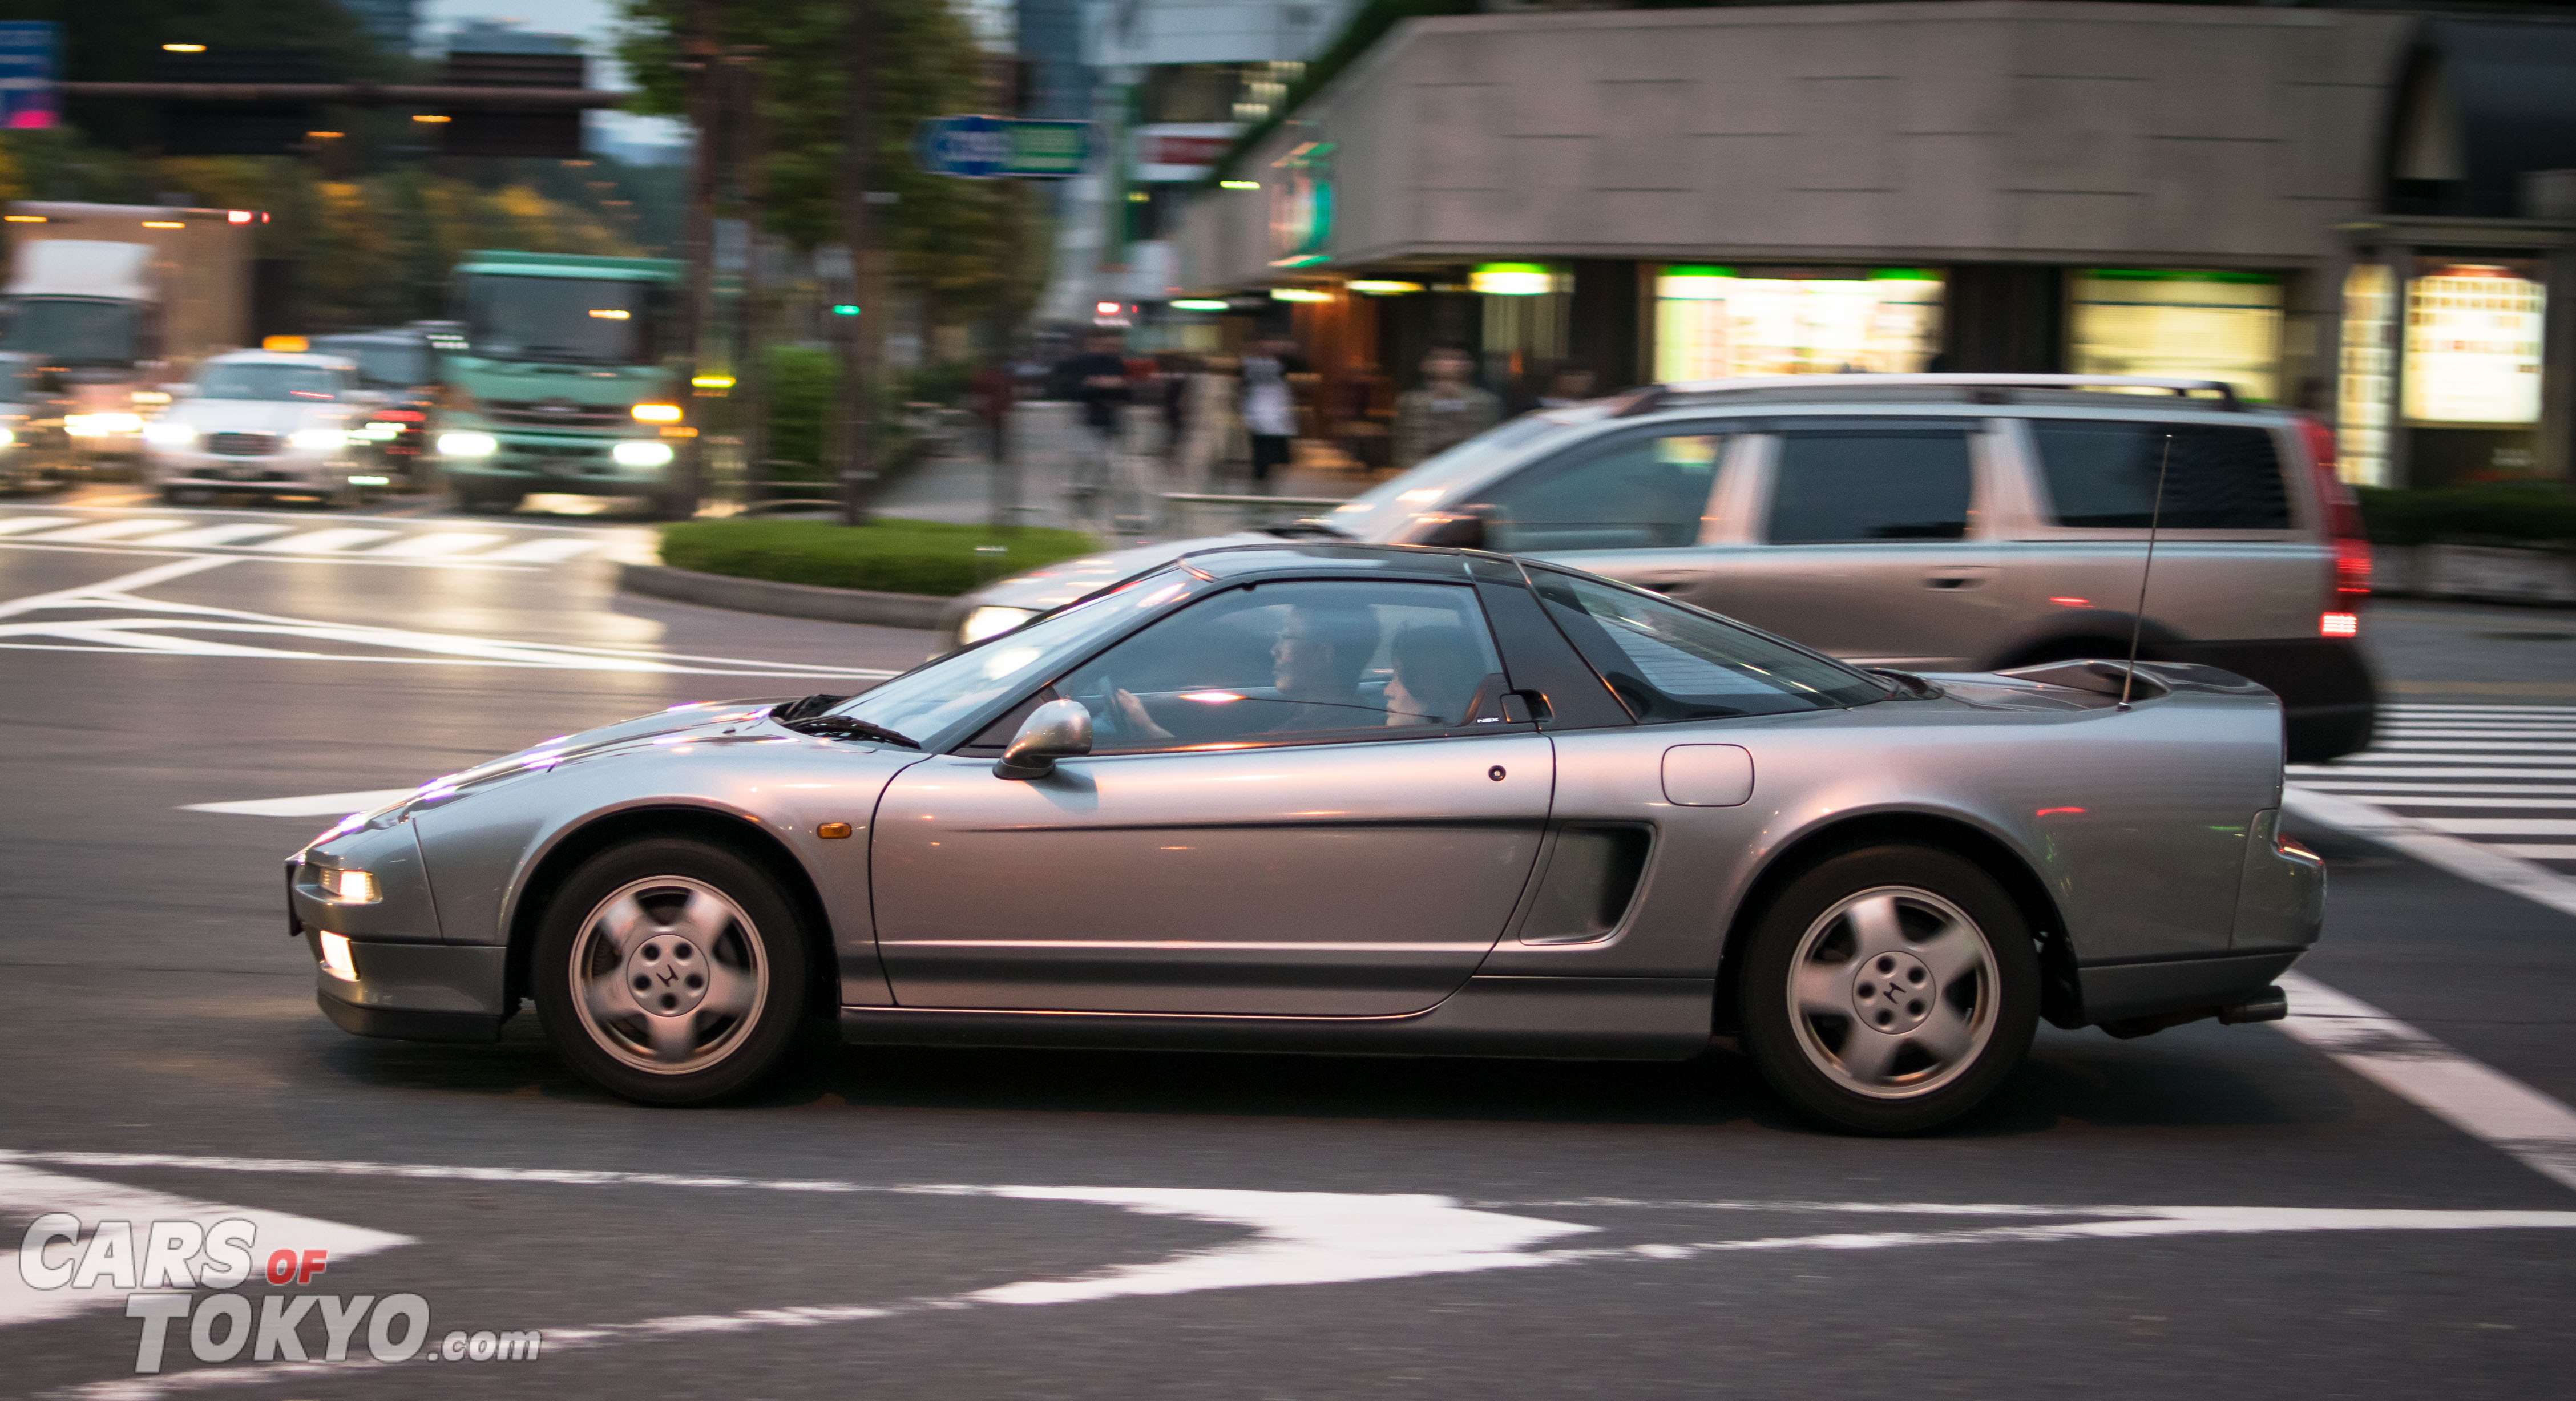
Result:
{"points": [[2102, 475], [1668, 662], [1864, 485]]}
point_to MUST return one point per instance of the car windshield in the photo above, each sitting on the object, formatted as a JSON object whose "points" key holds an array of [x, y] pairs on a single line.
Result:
{"points": [[1382, 512], [401, 364], [257, 379], [72, 332], [925, 702], [576, 320]]}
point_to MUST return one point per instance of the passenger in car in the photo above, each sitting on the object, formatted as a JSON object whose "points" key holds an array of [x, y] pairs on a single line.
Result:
{"points": [[1436, 675], [1316, 663]]}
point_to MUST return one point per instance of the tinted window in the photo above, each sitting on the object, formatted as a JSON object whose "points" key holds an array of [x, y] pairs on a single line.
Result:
{"points": [[2104, 475], [1845, 487], [1356, 659], [258, 379], [1668, 662], [385, 364], [595, 321], [1630, 493], [74, 332]]}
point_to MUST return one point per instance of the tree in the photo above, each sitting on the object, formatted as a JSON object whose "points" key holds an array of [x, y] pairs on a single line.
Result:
{"points": [[972, 249]]}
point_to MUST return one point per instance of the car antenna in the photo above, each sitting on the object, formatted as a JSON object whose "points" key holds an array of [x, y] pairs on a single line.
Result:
{"points": [[2138, 619]]}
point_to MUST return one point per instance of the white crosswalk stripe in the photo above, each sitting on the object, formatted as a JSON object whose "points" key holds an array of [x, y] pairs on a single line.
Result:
{"points": [[2419, 772], [427, 543]]}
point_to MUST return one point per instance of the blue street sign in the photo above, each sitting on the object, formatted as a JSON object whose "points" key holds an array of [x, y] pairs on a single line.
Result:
{"points": [[973, 147], [27, 74]]}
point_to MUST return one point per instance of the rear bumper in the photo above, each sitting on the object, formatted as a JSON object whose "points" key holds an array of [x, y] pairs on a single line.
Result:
{"points": [[2130, 992], [2329, 703]]}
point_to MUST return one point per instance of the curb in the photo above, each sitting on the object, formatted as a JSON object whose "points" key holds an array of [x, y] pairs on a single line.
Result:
{"points": [[885, 610]]}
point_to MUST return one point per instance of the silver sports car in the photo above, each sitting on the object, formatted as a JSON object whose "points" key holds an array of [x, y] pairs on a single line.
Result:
{"points": [[1353, 798]]}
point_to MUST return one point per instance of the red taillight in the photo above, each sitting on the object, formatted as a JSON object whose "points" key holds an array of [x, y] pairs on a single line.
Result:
{"points": [[2343, 515], [2339, 625], [403, 415]]}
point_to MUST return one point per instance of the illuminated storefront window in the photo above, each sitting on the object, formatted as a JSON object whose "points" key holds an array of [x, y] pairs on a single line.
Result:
{"points": [[2473, 343], [1711, 323], [2181, 325], [2367, 370]]}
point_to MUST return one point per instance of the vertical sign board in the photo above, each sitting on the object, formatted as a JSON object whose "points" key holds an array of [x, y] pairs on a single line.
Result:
{"points": [[2472, 347], [28, 97]]}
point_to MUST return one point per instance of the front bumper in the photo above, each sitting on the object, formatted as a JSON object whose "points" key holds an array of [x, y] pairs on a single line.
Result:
{"points": [[579, 466], [279, 473]]}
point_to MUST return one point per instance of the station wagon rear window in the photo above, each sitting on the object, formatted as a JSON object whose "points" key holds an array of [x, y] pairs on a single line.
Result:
{"points": [[1863, 485], [2102, 475]]}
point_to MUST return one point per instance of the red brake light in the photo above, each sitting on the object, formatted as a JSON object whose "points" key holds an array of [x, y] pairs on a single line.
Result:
{"points": [[2343, 513]]}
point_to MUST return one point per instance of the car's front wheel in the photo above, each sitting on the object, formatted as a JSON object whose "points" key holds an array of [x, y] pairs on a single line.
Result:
{"points": [[1889, 990], [670, 971]]}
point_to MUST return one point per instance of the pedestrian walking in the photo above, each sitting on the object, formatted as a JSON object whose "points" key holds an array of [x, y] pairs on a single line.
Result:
{"points": [[1270, 405], [1444, 411]]}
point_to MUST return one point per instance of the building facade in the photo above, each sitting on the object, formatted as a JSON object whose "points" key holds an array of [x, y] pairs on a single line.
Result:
{"points": [[1984, 186]]}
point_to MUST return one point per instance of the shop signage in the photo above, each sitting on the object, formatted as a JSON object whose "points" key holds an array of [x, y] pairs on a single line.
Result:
{"points": [[987, 148], [1301, 205], [2472, 345], [27, 75], [1180, 152]]}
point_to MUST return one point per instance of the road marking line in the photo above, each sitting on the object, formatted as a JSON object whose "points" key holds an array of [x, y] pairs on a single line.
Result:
{"points": [[113, 592], [2404, 798], [324, 541], [2431, 770], [2459, 856], [110, 530], [544, 551], [2456, 746], [14, 524], [2536, 851], [2503, 826], [2392, 789], [1297, 1239], [217, 535], [26, 1192], [430, 546], [2475, 1098], [310, 805]]}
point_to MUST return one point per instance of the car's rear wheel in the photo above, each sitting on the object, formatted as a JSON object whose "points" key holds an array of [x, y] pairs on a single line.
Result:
{"points": [[1889, 990], [670, 971]]}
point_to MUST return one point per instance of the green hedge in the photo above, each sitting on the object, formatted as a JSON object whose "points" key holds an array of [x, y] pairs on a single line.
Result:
{"points": [[2502, 513], [895, 556]]}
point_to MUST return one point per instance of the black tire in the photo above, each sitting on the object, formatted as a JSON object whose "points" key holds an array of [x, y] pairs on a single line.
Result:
{"points": [[1953, 1017], [746, 947]]}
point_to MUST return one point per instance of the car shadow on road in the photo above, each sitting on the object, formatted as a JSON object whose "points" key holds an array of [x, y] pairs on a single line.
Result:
{"points": [[2078, 1078]]}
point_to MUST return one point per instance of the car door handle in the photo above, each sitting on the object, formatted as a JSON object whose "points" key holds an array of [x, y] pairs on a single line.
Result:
{"points": [[1954, 581]]}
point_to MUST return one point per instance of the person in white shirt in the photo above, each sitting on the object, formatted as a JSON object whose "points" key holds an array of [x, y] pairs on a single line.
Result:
{"points": [[1269, 405]]}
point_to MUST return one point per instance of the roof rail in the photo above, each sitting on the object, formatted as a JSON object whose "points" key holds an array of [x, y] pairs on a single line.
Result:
{"points": [[1653, 397]]}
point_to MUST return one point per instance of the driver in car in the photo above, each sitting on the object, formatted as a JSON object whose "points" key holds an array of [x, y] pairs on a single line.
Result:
{"points": [[1316, 664]]}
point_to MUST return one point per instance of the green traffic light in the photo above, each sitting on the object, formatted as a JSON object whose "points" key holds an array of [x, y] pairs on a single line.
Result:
{"points": [[845, 309]]}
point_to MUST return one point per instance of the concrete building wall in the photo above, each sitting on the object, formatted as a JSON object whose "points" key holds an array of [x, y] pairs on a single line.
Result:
{"points": [[1971, 132]]}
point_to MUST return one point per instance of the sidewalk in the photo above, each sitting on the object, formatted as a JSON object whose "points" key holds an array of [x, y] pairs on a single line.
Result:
{"points": [[1047, 442]]}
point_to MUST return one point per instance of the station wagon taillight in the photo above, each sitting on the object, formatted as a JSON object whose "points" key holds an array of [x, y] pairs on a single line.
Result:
{"points": [[2343, 517]]}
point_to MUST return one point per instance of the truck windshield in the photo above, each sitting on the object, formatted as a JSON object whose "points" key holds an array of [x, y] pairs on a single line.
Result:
{"points": [[258, 380], [587, 321], [71, 331], [384, 364]]}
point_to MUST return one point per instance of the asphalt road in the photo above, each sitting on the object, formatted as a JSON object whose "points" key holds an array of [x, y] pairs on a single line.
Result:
{"points": [[2214, 1209]]}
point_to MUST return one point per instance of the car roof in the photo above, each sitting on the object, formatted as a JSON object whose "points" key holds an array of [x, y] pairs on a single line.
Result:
{"points": [[1329, 558], [278, 357], [1845, 393]]}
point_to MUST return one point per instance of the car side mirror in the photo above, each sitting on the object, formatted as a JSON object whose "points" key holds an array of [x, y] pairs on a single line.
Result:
{"points": [[1459, 530], [1059, 729]]}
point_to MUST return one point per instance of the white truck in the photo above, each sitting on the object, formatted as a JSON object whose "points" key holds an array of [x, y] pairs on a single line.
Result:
{"points": [[111, 301]]}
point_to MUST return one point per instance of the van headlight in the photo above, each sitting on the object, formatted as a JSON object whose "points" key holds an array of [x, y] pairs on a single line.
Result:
{"points": [[641, 452], [992, 620], [318, 439], [169, 435], [467, 445]]}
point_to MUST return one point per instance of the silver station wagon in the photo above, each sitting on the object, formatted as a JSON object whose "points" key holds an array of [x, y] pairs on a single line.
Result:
{"points": [[1940, 522], [1313, 796]]}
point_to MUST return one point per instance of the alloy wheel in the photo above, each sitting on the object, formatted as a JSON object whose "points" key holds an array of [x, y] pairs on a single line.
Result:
{"points": [[1893, 992]]}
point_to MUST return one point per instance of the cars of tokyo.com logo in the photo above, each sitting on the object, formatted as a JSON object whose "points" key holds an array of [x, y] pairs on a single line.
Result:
{"points": [[157, 1263]]}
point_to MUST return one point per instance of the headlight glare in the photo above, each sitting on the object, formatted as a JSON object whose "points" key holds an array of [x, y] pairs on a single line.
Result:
{"points": [[992, 620], [352, 887], [318, 439], [335, 956], [467, 445], [641, 453], [169, 435], [656, 413]]}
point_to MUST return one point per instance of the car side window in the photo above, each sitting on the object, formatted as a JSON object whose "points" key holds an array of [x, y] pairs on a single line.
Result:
{"points": [[1641, 491], [1669, 662], [1294, 662], [2102, 475], [1864, 485]]}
